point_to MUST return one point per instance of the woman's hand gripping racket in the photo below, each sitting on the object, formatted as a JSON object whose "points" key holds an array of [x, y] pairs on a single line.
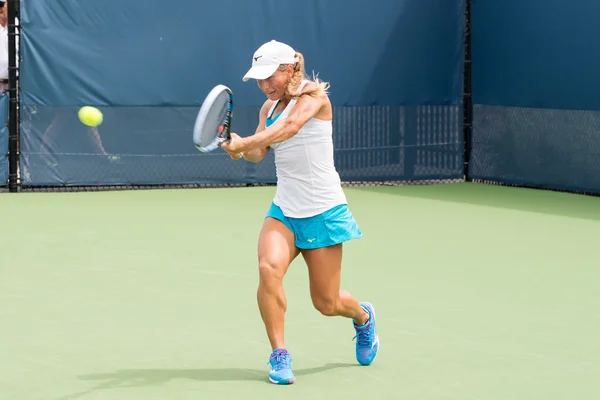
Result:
{"points": [[213, 123]]}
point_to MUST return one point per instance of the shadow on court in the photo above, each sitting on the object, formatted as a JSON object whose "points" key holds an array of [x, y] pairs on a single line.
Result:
{"points": [[128, 378], [521, 199]]}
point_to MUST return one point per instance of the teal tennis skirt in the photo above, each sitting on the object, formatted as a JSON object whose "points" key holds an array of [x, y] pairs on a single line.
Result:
{"points": [[334, 226]]}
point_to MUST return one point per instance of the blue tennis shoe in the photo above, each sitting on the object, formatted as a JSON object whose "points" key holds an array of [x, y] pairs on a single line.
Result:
{"points": [[281, 368], [367, 340]]}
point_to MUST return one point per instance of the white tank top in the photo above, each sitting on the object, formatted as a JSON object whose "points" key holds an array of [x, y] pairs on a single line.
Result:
{"points": [[307, 181]]}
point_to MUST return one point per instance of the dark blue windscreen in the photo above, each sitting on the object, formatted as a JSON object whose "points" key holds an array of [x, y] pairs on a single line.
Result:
{"points": [[536, 79], [536, 53], [392, 64]]}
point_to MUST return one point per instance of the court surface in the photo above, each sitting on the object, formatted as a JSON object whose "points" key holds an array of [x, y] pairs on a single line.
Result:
{"points": [[481, 292]]}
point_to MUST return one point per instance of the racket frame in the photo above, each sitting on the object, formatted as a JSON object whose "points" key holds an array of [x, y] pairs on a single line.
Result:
{"points": [[224, 134]]}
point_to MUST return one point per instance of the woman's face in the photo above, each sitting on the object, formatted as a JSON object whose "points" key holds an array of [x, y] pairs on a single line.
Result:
{"points": [[274, 86]]}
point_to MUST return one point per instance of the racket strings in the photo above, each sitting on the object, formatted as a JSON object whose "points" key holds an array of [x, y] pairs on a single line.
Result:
{"points": [[215, 120]]}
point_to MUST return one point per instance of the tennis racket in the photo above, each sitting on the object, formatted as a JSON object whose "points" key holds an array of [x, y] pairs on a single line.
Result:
{"points": [[213, 123]]}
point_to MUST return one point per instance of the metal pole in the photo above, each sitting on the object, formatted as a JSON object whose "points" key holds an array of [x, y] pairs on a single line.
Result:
{"points": [[13, 121], [467, 92]]}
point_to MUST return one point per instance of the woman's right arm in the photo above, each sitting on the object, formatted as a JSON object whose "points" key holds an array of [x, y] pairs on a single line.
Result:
{"points": [[257, 155]]}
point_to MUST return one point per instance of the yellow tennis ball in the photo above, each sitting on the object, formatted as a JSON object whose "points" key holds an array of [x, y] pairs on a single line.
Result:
{"points": [[90, 116]]}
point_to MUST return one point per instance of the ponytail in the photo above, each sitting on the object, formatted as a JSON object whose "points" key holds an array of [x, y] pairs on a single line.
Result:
{"points": [[298, 76]]}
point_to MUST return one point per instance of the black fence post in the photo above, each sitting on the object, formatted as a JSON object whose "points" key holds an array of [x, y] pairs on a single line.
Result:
{"points": [[467, 92], [13, 120]]}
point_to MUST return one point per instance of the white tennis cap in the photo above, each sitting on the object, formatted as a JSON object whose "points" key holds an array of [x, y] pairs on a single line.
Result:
{"points": [[268, 58]]}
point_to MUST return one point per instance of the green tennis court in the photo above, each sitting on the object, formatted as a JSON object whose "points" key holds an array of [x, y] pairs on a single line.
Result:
{"points": [[481, 292]]}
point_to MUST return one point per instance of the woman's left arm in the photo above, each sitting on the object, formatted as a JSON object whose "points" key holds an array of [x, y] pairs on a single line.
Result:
{"points": [[305, 108]]}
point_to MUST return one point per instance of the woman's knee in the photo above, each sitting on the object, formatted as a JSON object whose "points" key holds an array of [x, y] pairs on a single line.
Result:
{"points": [[326, 305], [271, 272], [276, 251]]}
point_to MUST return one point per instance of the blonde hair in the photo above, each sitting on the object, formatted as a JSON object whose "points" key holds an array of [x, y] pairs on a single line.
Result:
{"points": [[299, 74]]}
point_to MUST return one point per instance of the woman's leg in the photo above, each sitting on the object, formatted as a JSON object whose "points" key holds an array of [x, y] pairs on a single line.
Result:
{"points": [[324, 269], [276, 251]]}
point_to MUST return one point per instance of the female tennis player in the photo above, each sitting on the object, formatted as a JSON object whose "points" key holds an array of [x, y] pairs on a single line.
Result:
{"points": [[309, 214]]}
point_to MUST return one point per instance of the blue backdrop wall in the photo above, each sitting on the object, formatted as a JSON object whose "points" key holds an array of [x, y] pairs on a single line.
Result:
{"points": [[395, 68], [536, 79]]}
